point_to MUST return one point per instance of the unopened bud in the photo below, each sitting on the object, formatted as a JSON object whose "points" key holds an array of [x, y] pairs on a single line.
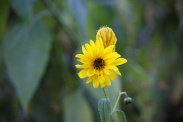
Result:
{"points": [[107, 35], [128, 100]]}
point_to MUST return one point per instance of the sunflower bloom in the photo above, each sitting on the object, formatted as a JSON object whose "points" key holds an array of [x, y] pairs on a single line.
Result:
{"points": [[99, 64], [107, 35]]}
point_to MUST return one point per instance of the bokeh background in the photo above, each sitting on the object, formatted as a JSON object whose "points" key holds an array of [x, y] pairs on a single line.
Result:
{"points": [[38, 43]]}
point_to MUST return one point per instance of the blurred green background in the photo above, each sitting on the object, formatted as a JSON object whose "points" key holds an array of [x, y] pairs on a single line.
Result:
{"points": [[38, 42]]}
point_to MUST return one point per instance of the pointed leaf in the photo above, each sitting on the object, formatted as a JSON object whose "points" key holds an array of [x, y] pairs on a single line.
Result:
{"points": [[26, 51]]}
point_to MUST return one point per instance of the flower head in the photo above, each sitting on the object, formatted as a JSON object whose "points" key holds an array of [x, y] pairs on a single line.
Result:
{"points": [[99, 63], [107, 35]]}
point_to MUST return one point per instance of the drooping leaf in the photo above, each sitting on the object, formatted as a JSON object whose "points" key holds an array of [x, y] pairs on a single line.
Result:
{"points": [[120, 115], [76, 109], [26, 51], [104, 108]]}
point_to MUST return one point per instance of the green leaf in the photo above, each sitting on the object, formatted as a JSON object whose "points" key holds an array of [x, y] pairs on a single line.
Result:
{"points": [[79, 14], [24, 8], [121, 115], [26, 52], [104, 108], [76, 109], [138, 72]]}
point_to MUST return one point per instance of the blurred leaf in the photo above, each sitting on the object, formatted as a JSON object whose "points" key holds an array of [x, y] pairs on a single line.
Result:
{"points": [[140, 81], [121, 115], [104, 108], [99, 13], [4, 8], [77, 109], [124, 8], [139, 72], [79, 13], [26, 51], [24, 8], [126, 16]]}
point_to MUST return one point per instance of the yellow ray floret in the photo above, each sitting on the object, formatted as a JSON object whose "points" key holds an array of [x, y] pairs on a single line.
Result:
{"points": [[99, 64]]}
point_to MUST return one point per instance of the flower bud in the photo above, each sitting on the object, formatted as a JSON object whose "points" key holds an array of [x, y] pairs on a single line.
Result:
{"points": [[107, 35], [128, 100]]}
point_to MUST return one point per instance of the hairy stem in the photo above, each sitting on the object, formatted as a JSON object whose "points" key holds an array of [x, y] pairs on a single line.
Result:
{"points": [[120, 93]]}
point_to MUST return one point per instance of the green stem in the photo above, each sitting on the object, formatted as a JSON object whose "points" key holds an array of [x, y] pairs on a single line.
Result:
{"points": [[105, 90], [120, 93]]}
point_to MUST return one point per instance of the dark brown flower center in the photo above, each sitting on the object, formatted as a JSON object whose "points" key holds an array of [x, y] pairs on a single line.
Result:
{"points": [[99, 63]]}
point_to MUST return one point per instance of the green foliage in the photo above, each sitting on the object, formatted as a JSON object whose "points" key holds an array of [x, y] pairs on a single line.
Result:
{"points": [[76, 108], [24, 8], [121, 115], [38, 42], [26, 52], [104, 108]]}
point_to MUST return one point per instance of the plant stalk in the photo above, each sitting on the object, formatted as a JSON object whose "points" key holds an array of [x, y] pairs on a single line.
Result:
{"points": [[120, 93]]}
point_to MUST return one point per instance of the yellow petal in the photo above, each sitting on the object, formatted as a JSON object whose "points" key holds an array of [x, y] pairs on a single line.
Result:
{"points": [[102, 85], [95, 82], [89, 80], [119, 61], [97, 72], [84, 50], [118, 72], [112, 59], [79, 66], [108, 83], [83, 73], [89, 49], [106, 71], [90, 72], [107, 80], [92, 44], [101, 78], [79, 56], [107, 56], [99, 48], [85, 61], [108, 50], [112, 76], [112, 67]]}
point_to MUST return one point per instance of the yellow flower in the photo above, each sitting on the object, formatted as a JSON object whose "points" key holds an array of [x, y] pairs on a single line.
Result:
{"points": [[107, 35], [99, 63]]}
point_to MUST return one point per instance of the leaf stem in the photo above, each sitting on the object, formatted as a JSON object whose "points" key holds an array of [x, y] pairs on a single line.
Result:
{"points": [[120, 93]]}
